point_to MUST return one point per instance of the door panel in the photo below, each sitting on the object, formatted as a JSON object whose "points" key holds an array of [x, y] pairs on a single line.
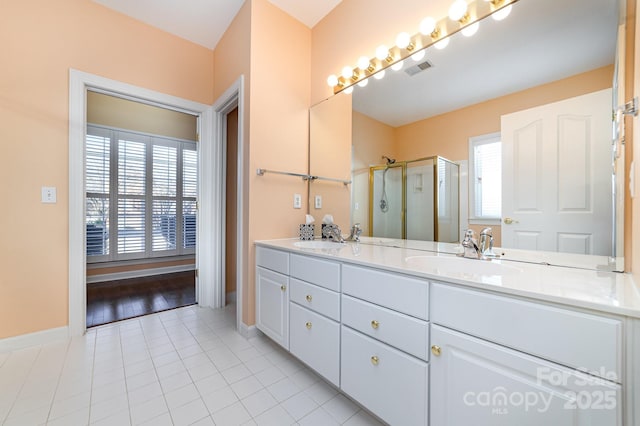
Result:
{"points": [[557, 176]]}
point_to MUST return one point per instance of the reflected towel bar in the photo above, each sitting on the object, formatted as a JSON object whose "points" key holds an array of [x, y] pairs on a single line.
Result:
{"points": [[261, 172]]}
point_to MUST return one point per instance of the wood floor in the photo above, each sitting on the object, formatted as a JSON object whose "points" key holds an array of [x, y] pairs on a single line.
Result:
{"points": [[117, 300]]}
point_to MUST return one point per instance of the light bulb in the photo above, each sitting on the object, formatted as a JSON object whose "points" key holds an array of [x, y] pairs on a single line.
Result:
{"points": [[427, 26], [363, 62], [458, 10], [332, 80], [442, 43], [397, 66], [502, 13], [363, 83], [470, 30], [382, 52], [347, 72], [403, 40], [379, 75], [348, 90], [418, 56]]}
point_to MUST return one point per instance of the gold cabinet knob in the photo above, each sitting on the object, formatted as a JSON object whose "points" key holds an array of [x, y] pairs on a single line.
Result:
{"points": [[509, 221], [436, 350], [309, 298], [308, 324], [283, 287], [375, 360], [375, 324]]}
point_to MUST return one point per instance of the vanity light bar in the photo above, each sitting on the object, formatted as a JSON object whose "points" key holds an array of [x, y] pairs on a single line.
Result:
{"points": [[476, 11]]}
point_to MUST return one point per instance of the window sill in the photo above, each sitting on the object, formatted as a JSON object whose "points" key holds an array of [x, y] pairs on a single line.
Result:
{"points": [[485, 221]]}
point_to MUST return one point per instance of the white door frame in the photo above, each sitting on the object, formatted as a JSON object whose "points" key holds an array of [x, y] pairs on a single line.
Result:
{"points": [[233, 97], [79, 82]]}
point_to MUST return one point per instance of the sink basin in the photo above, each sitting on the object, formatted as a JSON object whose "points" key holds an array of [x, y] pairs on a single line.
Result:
{"points": [[318, 245], [462, 267]]}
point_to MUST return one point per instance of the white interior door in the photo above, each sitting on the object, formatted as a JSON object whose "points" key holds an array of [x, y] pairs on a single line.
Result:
{"points": [[556, 182]]}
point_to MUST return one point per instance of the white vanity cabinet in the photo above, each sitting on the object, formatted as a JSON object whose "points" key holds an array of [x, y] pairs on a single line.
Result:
{"points": [[385, 338], [272, 294], [500, 360], [314, 327], [475, 382], [415, 351]]}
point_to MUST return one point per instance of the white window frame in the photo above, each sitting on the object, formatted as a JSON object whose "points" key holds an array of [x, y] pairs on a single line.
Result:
{"points": [[149, 140], [473, 142]]}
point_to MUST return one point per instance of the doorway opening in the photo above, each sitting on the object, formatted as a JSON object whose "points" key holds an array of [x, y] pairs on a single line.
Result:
{"points": [[141, 179]]}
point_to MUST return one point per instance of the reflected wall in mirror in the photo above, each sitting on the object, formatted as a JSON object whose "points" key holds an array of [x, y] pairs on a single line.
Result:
{"points": [[330, 157], [544, 52]]}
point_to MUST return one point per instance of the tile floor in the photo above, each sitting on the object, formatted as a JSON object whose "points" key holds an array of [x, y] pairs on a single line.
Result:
{"points": [[180, 367]]}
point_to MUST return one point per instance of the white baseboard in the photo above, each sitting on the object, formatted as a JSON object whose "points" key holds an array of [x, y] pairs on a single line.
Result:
{"points": [[138, 273], [248, 331], [33, 339]]}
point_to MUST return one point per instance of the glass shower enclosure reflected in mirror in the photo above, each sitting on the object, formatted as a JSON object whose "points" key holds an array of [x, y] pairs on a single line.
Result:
{"points": [[417, 200]]}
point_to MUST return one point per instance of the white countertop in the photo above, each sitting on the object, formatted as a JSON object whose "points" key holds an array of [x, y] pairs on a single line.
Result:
{"points": [[610, 292]]}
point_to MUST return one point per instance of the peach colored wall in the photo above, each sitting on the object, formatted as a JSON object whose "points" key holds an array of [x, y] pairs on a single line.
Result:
{"points": [[448, 134], [329, 139], [635, 154], [279, 110], [40, 41], [232, 59], [371, 140]]}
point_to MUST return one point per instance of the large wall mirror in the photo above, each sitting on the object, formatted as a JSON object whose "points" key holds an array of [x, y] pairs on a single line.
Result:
{"points": [[542, 83]]}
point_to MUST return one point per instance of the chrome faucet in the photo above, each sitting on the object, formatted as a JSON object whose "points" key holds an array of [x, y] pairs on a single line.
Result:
{"points": [[470, 246], [333, 233], [486, 243], [356, 231]]}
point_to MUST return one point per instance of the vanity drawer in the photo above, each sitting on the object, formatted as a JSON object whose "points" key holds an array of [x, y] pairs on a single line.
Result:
{"points": [[275, 260], [316, 271], [401, 331], [564, 336], [318, 299], [394, 291], [315, 340], [390, 383]]}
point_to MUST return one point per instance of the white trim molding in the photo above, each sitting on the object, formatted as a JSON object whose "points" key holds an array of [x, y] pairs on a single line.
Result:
{"points": [[33, 339], [79, 83], [91, 279], [232, 97]]}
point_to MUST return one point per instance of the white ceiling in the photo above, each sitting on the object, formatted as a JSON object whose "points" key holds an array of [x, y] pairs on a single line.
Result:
{"points": [[539, 42], [205, 21]]}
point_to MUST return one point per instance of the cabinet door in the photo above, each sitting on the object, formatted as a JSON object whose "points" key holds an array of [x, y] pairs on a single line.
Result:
{"points": [[272, 305], [388, 382], [481, 383], [315, 340]]}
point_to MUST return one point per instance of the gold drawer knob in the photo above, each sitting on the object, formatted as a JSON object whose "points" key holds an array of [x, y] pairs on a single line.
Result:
{"points": [[309, 298], [436, 350], [375, 324], [308, 324], [283, 287], [375, 360]]}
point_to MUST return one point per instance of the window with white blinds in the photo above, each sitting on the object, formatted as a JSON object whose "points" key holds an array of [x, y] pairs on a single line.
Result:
{"points": [[141, 195], [485, 176]]}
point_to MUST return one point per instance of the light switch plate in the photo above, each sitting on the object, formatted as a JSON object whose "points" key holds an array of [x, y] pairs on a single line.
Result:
{"points": [[297, 201], [318, 200], [49, 194]]}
